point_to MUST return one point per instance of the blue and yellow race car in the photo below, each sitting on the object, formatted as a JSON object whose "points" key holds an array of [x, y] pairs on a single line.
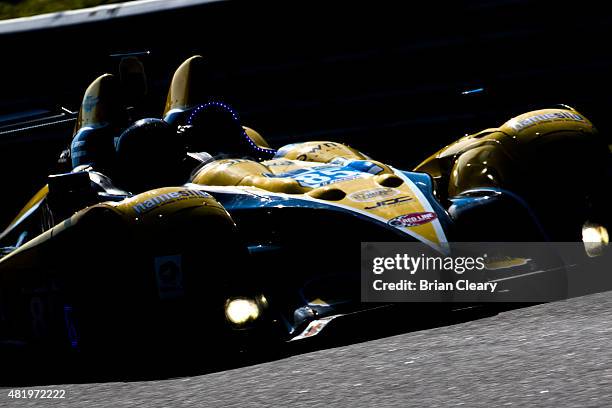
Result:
{"points": [[192, 230]]}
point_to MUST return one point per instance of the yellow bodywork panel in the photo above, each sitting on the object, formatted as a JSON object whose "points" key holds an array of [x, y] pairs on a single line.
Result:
{"points": [[256, 137], [384, 195], [322, 152], [182, 92], [101, 105], [35, 200], [153, 204], [493, 157]]}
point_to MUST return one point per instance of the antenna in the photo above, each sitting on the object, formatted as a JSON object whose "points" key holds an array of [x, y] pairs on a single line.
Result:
{"points": [[131, 54]]}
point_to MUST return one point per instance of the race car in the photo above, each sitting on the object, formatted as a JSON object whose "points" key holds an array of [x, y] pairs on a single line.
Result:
{"points": [[192, 230]]}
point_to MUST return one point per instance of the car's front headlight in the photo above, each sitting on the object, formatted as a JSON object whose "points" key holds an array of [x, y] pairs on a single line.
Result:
{"points": [[241, 310], [595, 238]]}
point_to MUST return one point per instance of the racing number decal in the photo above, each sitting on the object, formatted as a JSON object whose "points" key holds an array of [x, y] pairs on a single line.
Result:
{"points": [[311, 179], [320, 177]]}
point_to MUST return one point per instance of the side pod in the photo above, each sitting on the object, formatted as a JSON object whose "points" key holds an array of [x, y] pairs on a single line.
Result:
{"points": [[124, 277], [494, 215]]}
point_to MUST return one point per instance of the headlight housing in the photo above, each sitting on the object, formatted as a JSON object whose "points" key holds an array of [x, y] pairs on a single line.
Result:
{"points": [[240, 311], [595, 238]]}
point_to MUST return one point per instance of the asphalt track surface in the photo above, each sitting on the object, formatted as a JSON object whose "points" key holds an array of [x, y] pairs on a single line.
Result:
{"points": [[552, 355]]}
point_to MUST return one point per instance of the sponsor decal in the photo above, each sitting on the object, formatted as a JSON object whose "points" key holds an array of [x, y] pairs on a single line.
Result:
{"points": [[315, 327], [165, 198], [90, 102], [323, 146], [169, 276], [319, 148], [413, 219], [519, 125], [373, 194], [390, 201]]}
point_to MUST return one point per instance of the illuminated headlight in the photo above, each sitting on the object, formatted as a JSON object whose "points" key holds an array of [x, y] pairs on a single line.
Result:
{"points": [[595, 238], [240, 311]]}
